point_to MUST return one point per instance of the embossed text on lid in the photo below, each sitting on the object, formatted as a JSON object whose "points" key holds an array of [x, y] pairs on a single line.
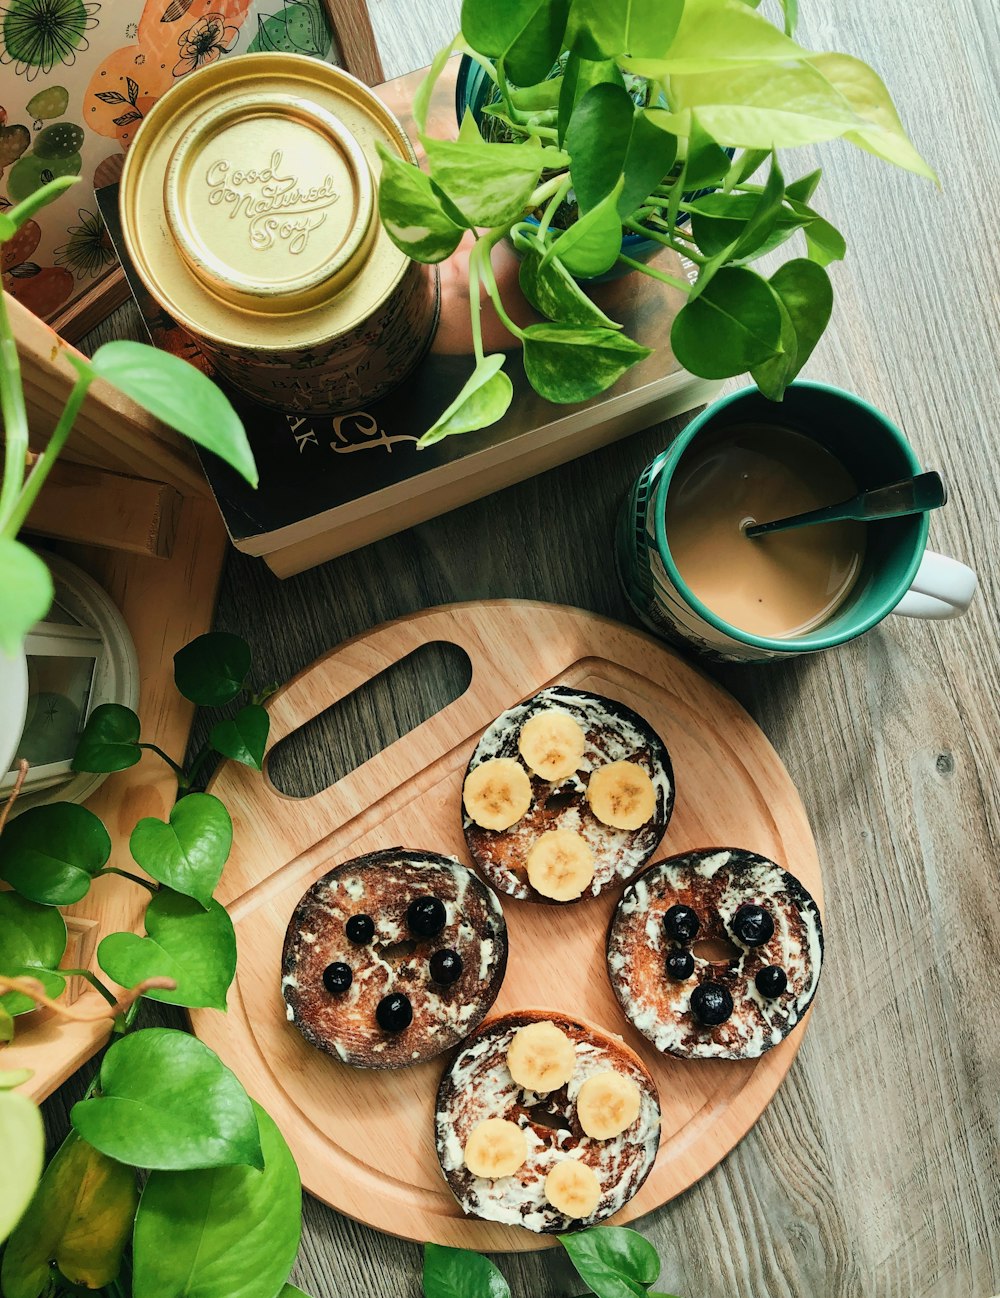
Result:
{"points": [[270, 202]]}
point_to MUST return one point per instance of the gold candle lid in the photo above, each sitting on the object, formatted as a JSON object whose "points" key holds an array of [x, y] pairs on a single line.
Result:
{"points": [[248, 202], [270, 202]]}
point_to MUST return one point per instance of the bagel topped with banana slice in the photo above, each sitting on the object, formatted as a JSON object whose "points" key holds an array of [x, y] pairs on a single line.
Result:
{"points": [[546, 1122], [566, 793]]}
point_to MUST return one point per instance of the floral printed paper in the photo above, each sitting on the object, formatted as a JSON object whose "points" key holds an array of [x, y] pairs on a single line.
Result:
{"points": [[76, 79]]}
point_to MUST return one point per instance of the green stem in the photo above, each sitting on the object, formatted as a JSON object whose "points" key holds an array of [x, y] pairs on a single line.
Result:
{"points": [[552, 208], [14, 520], [683, 285], [665, 239], [489, 279], [475, 306], [94, 981], [144, 883], [545, 191], [203, 755], [154, 748], [15, 416], [514, 114]]}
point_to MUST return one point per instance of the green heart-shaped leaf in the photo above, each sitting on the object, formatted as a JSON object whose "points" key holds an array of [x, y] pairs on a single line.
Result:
{"points": [[173, 390], [22, 1139], [186, 852], [713, 36], [652, 149], [567, 363], [526, 34], [168, 1102], [32, 942], [195, 947], [643, 28], [802, 190], [80, 1219], [110, 740], [460, 1273], [51, 853], [733, 325], [25, 593], [212, 669], [591, 244], [613, 1261], [243, 737], [824, 242], [597, 140], [489, 184], [805, 292], [231, 1230], [579, 74], [553, 291], [412, 213], [483, 400]]}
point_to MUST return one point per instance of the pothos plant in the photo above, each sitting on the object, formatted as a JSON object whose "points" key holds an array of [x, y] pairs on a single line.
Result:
{"points": [[612, 1261], [604, 120], [220, 1208], [165, 385]]}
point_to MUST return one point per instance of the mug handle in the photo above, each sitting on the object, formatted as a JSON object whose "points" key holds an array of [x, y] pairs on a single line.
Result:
{"points": [[942, 588]]}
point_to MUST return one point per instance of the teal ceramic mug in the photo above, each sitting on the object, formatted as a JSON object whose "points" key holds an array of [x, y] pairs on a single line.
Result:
{"points": [[899, 573]]}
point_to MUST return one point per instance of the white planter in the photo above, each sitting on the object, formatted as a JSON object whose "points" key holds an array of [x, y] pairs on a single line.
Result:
{"points": [[79, 657], [13, 706]]}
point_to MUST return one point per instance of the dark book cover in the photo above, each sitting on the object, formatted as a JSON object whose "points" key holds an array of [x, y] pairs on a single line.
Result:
{"points": [[317, 470]]}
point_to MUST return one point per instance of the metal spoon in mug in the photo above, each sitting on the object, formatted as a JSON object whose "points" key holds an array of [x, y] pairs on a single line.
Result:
{"points": [[914, 495]]}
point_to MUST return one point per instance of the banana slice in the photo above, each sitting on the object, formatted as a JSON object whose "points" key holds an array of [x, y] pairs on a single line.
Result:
{"points": [[495, 1148], [560, 864], [552, 744], [497, 793], [607, 1104], [573, 1188], [621, 794], [541, 1058]]}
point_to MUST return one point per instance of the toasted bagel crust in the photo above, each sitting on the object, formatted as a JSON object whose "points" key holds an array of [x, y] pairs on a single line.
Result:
{"points": [[714, 882], [613, 733], [382, 885], [478, 1085]]}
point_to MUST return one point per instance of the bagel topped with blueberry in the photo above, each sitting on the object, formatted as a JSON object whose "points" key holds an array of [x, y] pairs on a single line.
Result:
{"points": [[708, 1006], [546, 1122], [566, 793], [393, 957]]}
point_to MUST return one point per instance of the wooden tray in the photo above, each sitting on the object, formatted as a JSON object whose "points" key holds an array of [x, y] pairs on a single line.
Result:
{"points": [[364, 1140]]}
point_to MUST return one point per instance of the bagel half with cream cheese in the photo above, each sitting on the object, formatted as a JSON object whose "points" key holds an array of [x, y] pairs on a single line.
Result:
{"points": [[393, 957]]}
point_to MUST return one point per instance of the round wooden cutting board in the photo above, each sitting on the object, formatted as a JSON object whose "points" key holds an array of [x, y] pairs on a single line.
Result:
{"points": [[364, 1140]]}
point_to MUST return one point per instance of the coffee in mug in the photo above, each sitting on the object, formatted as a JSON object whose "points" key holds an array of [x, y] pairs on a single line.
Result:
{"points": [[691, 576], [781, 584]]}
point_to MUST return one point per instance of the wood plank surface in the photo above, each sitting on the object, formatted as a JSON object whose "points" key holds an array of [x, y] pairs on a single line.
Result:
{"points": [[875, 1171]]}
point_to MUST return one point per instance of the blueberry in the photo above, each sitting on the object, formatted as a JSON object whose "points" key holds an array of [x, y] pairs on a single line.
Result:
{"points": [[771, 981], [394, 1012], [680, 965], [711, 1004], [337, 978], [681, 923], [426, 916], [753, 925], [446, 967], [360, 929]]}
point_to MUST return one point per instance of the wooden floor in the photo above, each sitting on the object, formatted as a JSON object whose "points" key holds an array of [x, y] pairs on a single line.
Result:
{"points": [[876, 1170]]}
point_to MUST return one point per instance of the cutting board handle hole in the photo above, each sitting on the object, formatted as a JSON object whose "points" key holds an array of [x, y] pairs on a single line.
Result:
{"points": [[361, 724]]}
